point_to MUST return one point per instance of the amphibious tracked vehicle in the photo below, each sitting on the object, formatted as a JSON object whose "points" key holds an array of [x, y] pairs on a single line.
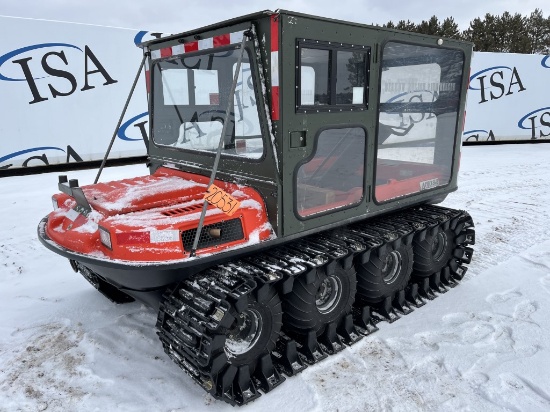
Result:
{"points": [[295, 163]]}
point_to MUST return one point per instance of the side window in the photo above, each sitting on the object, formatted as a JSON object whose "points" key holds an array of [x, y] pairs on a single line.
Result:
{"points": [[419, 104], [331, 76], [314, 67], [351, 70], [333, 178]]}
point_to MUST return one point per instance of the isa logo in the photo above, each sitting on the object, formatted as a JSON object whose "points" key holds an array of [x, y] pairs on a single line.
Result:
{"points": [[538, 121], [478, 135], [52, 70], [496, 82], [133, 127], [545, 62], [33, 155]]}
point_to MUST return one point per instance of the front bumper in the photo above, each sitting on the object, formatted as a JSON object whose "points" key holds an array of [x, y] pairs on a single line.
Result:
{"points": [[128, 275]]}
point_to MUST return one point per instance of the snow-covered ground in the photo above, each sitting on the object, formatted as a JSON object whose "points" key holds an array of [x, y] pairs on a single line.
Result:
{"points": [[484, 345]]}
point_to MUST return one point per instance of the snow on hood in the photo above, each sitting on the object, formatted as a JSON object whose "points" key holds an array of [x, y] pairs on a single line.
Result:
{"points": [[151, 219], [141, 192]]}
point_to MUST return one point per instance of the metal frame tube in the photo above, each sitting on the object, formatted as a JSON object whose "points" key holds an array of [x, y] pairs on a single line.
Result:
{"points": [[220, 145], [145, 55]]}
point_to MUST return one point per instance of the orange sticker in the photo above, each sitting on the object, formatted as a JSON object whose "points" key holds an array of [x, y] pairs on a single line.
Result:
{"points": [[222, 200]]}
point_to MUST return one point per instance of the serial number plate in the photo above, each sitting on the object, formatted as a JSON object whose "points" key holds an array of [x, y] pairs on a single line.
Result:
{"points": [[222, 200], [429, 184]]}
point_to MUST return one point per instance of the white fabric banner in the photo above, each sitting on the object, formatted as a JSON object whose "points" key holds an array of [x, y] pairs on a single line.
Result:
{"points": [[62, 89], [508, 98], [64, 85]]}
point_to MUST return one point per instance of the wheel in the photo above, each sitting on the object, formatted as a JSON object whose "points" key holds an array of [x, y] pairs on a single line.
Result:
{"points": [[254, 331], [382, 276], [433, 253], [222, 334], [327, 299]]}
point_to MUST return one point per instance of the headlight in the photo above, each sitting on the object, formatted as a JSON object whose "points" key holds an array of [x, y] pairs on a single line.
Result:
{"points": [[54, 203], [105, 237]]}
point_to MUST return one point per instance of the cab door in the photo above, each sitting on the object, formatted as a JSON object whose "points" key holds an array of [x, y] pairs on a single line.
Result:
{"points": [[324, 117]]}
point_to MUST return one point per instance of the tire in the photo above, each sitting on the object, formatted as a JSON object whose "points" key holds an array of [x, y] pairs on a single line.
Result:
{"points": [[385, 275], [254, 331], [433, 253], [327, 299]]}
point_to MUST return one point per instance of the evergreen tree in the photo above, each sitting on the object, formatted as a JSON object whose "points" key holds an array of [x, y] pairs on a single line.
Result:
{"points": [[538, 31], [511, 31], [449, 28], [406, 25], [506, 33], [431, 26], [484, 34]]}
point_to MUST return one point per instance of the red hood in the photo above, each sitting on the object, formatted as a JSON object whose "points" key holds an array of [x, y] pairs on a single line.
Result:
{"points": [[141, 193], [136, 210]]}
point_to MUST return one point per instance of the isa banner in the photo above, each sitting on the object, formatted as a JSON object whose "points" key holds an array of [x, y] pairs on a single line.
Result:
{"points": [[62, 89], [508, 98]]}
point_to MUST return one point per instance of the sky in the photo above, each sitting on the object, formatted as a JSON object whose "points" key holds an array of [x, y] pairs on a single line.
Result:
{"points": [[179, 15]]}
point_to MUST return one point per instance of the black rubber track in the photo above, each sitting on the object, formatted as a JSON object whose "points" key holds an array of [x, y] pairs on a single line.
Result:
{"points": [[301, 314], [271, 314], [194, 321], [371, 286], [426, 262]]}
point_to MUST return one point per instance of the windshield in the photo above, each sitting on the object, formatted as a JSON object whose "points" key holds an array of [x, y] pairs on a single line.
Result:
{"points": [[190, 97]]}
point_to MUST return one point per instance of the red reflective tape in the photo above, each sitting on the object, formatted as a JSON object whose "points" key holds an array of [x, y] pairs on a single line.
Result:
{"points": [[275, 48], [275, 103], [148, 81], [275, 33], [222, 40], [190, 47], [166, 52], [133, 238]]}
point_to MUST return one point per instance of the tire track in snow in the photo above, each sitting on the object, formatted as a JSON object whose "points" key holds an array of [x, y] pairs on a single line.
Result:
{"points": [[417, 374], [508, 200], [41, 372]]}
